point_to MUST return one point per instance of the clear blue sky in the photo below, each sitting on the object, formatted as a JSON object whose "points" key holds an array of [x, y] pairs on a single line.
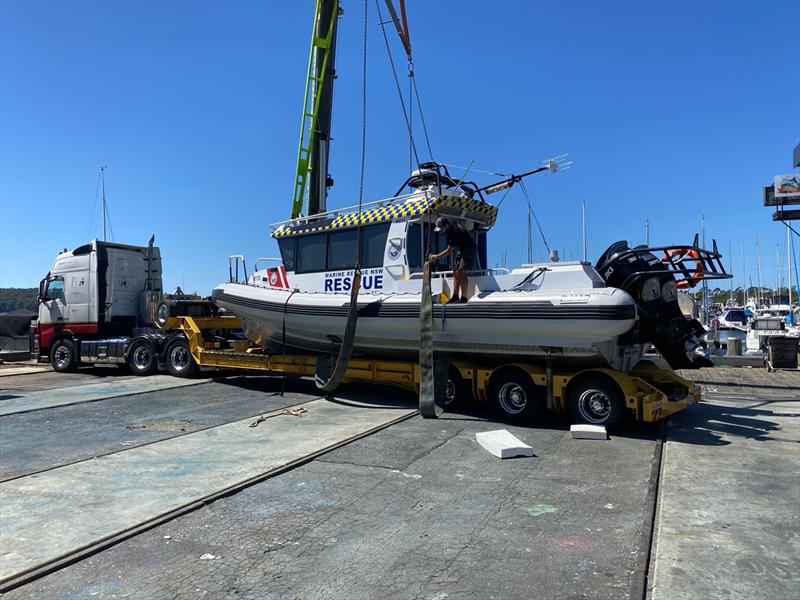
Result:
{"points": [[670, 110]]}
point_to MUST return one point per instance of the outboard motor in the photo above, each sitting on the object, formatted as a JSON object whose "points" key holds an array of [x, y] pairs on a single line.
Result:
{"points": [[653, 286]]}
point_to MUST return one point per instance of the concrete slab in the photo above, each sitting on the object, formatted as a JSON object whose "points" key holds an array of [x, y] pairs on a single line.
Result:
{"points": [[48, 515], [728, 524], [13, 403], [417, 510], [502, 444]]}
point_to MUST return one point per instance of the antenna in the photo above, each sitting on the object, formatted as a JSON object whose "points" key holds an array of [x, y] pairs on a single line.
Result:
{"points": [[647, 232]]}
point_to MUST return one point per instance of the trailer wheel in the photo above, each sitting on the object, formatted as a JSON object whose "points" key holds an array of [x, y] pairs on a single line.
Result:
{"points": [[179, 359], [597, 401], [457, 392], [142, 358], [513, 396], [62, 356]]}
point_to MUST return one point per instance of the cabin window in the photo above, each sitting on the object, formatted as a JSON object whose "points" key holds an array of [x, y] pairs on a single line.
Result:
{"points": [[417, 247], [373, 244], [312, 253], [342, 249], [287, 248]]}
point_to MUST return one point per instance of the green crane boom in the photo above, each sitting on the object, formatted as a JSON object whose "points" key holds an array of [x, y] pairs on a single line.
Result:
{"points": [[315, 125]]}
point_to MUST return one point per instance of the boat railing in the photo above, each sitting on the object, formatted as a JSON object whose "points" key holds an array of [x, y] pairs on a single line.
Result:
{"points": [[692, 262], [348, 209], [233, 269], [267, 260], [475, 273]]}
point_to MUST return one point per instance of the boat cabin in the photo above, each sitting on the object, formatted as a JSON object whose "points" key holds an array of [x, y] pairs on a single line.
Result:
{"points": [[319, 253]]}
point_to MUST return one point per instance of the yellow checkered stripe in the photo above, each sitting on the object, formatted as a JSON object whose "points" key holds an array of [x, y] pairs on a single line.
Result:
{"points": [[393, 212]]}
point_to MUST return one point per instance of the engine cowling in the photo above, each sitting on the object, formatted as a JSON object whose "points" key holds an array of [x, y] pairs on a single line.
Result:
{"points": [[655, 291]]}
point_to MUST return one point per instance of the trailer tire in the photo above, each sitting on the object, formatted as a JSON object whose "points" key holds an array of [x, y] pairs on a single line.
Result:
{"points": [[513, 397], [596, 400], [458, 392], [62, 356], [142, 358], [180, 362]]}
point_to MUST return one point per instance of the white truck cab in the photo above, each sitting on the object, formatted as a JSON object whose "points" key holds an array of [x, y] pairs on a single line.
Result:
{"points": [[93, 299]]}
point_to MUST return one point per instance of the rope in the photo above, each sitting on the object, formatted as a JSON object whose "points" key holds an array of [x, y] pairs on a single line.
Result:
{"points": [[419, 108], [397, 84]]}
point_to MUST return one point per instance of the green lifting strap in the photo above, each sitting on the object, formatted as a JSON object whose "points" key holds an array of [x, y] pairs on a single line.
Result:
{"points": [[324, 382], [432, 375]]}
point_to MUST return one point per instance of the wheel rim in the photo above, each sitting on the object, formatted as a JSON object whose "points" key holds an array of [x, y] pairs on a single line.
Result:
{"points": [[179, 358], [512, 398], [62, 356], [450, 392], [594, 406], [142, 357]]}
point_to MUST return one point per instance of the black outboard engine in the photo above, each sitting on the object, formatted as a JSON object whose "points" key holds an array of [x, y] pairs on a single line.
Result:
{"points": [[652, 284]]}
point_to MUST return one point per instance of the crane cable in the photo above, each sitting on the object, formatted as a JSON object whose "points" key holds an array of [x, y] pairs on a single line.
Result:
{"points": [[325, 381]]}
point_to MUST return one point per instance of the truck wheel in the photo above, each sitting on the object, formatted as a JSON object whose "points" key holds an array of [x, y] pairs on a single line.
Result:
{"points": [[179, 359], [457, 392], [513, 397], [62, 356], [597, 401], [142, 358]]}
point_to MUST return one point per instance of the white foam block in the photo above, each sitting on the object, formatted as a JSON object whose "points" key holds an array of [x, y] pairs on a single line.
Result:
{"points": [[588, 432], [502, 444]]}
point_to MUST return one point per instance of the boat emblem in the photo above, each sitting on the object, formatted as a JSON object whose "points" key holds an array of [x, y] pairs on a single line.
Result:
{"points": [[394, 248]]}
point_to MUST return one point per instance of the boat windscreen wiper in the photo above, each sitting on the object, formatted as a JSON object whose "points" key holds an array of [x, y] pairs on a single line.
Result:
{"points": [[552, 165]]}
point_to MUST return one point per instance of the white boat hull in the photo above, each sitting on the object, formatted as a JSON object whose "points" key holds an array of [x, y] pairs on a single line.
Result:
{"points": [[579, 324]]}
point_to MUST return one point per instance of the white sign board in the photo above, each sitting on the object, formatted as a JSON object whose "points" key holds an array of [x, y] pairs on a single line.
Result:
{"points": [[787, 186]]}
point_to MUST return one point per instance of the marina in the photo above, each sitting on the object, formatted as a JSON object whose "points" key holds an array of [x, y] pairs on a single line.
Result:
{"points": [[454, 371]]}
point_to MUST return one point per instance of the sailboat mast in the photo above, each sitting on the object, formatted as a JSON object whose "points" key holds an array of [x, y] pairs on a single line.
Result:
{"points": [[730, 266], [105, 207], [789, 263], [759, 299], [744, 278], [705, 285], [583, 229], [530, 236]]}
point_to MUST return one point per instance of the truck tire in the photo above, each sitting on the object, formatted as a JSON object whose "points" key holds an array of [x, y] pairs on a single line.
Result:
{"points": [[597, 401], [142, 358], [180, 362], [513, 397], [458, 392], [62, 356]]}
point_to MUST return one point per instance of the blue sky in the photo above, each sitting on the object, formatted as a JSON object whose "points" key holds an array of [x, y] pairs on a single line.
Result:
{"points": [[669, 110]]}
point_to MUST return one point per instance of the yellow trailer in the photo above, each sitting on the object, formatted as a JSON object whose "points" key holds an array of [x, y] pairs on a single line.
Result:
{"points": [[515, 391]]}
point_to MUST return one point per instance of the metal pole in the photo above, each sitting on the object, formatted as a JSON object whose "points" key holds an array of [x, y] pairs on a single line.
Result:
{"points": [[759, 299], [730, 266], [647, 232], [583, 220], [105, 209], [744, 278], [705, 285], [789, 264]]}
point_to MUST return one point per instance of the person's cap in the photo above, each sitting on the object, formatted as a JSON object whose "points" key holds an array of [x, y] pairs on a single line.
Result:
{"points": [[440, 223]]}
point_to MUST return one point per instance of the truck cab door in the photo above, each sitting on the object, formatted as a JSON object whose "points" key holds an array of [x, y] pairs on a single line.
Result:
{"points": [[54, 301]]}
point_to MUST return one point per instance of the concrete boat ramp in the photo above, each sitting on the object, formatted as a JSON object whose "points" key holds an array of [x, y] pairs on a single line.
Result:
{"points": [[112, 487]]}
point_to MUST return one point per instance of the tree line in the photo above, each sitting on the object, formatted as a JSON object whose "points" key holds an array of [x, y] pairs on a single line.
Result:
{"points": [[14, 298]]}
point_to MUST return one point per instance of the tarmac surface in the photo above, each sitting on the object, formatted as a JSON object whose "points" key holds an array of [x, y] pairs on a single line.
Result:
{"points": [[419, 510]]}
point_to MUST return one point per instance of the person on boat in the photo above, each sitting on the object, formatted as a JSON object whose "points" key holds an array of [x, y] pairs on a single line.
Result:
{"points": [[466, 259]]}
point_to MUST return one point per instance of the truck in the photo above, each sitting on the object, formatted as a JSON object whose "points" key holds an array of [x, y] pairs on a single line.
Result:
{"points": [[103, 303], [99, 304]]}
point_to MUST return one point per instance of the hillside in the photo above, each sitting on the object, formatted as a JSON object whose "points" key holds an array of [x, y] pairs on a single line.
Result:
{"points": [[13, 298]]}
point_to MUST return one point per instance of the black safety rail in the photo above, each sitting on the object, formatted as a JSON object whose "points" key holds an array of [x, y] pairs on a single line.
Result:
{"points": [[691, 261]]}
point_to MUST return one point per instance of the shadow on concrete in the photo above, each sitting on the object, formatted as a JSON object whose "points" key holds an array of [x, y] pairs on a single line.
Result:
{"points": [[705, 425]]}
